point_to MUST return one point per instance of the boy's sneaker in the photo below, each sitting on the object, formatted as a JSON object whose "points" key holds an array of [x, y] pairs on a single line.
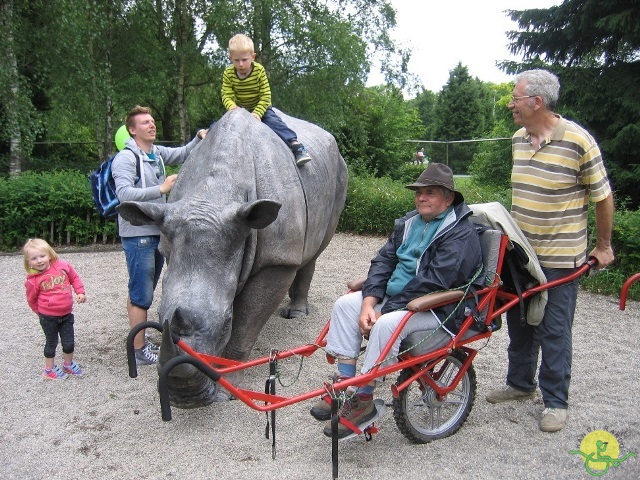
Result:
{"points": [[507, 394], [144, 356], [152, 346], [357, 409], [73, 369], [300, 153], [54, 374]]}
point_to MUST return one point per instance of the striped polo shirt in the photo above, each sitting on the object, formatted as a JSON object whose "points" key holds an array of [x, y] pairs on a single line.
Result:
{"points": [[551, 191], [252, 92]]}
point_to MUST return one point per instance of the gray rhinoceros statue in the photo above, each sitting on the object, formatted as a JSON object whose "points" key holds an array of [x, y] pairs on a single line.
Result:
{"points": [[243, 226]]}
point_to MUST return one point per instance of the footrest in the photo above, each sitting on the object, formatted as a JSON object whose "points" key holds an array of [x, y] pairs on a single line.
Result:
{"points": [[381, 409]]}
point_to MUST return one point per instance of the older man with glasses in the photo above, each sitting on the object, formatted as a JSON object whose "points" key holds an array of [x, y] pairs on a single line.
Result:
{"points": [[557, 169]]}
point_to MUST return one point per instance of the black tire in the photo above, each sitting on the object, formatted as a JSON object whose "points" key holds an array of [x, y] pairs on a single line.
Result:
{"points": [[418, 413]]}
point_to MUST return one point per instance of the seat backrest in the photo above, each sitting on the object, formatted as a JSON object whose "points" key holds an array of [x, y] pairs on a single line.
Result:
{"points": [[422, 342], [490, 245]]}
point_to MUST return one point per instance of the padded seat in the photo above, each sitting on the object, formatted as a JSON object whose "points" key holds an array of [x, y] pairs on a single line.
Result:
{"points": [[423, 342]]}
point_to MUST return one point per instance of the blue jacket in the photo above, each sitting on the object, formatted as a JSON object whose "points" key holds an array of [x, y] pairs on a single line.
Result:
{"points": [[449, 261]]}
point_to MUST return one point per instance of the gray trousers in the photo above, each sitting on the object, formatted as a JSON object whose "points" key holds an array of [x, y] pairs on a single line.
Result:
{"points": [[344, 338]]}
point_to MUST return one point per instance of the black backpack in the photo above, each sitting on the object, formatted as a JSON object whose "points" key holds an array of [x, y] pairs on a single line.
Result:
{"points": [[103, 187]]}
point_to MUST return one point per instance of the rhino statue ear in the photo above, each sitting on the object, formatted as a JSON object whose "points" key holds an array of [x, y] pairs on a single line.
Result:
{"points": [[260, 213], [142, 213]]}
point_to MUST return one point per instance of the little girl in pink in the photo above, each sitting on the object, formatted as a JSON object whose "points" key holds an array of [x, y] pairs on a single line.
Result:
{"points": [[50, 284]]}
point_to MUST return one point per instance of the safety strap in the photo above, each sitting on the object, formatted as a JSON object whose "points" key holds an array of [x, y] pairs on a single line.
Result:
{"points": [[270, 388], [334, 436], [518, 287]]}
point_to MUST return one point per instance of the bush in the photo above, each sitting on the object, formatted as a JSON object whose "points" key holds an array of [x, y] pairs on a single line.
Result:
{"points": [[56, 206], [373, 204], [626, 246]]}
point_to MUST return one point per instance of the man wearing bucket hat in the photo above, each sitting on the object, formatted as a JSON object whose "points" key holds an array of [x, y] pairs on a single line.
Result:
{"points": [[434, 247]]}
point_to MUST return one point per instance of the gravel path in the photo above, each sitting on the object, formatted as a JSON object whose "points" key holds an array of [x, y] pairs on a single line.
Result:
{"points": [[108, 426]]}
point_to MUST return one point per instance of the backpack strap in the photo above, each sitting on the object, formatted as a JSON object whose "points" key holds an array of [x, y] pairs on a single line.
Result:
{"points": [[139, 176]]}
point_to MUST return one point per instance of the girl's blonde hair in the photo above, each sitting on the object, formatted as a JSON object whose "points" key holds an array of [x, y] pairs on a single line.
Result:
{"points": [[38, 244], [240, 43]]}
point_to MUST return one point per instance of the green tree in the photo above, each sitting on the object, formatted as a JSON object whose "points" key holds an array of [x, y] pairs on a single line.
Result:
{"points": [[84, 63], [425, 102], [460, 115], [21, 80], [491, 164], [593, 46], [375, 140], [317, 54]]}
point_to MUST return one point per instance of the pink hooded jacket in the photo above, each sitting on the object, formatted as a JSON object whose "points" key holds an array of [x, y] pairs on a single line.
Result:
{"points": [[50, 292]]}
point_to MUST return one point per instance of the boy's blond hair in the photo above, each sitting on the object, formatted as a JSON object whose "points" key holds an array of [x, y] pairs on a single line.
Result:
{"points": [[240, 43], [38, 244]]}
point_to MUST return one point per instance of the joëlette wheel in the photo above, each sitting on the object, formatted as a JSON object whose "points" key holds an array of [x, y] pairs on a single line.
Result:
{"points": [[421, 416]]}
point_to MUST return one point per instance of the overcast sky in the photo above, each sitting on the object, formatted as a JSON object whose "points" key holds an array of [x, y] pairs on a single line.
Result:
{"points": [[442, 33]]}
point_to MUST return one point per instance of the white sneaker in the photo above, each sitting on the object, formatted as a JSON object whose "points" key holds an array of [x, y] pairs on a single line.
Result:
{"points": [[144, 356], [553, 419]]}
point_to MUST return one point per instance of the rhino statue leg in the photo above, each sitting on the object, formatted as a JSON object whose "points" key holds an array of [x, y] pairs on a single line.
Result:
{"points": [[299, 292], [259, 298]]}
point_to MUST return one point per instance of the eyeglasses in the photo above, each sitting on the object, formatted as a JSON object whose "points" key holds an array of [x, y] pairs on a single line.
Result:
{"points": [[515, 99]]}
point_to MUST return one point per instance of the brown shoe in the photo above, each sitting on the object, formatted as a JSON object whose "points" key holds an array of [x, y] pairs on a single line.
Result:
{"points": [[358, 409], [507, 394], [321, 410]]}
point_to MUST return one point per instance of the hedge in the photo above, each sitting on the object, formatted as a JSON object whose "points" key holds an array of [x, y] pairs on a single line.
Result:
{"points": [[57, 206]]}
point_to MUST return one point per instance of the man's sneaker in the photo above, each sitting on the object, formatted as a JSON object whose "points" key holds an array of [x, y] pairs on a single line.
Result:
{"points": [[74, 369], [152, 347], [300, 153], [508, 393], [358, 409], [54, 374], [553, 419], [144, 356]]}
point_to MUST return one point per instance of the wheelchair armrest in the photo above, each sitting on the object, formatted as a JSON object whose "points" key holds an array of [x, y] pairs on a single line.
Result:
{"points": [[356, 285], [430, 300]]}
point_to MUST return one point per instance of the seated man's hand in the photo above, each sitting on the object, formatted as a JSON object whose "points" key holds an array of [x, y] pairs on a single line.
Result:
{"points": [[366, 321], [368, 315]]}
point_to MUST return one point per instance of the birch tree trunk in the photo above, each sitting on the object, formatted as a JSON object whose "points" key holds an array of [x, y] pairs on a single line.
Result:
{"points": [[12, 89]]}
